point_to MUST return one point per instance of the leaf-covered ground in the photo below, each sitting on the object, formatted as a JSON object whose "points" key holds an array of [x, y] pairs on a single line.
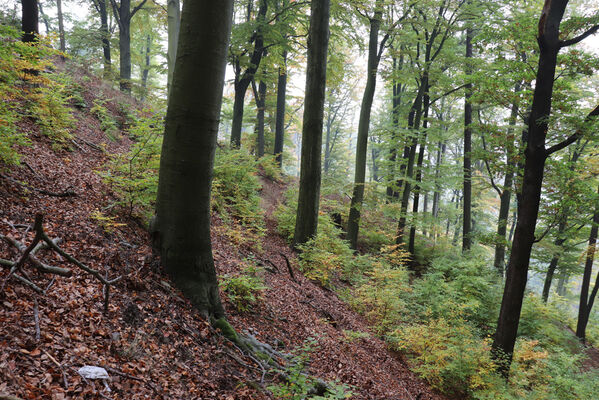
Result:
{"points": [[151, 341]]}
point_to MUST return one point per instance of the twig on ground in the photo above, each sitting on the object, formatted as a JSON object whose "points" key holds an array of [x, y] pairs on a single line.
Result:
{"points": [[59, 365], [67, 193], [289, 268]]}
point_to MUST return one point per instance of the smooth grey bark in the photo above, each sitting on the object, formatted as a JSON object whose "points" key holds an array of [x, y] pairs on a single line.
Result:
{"points": [[29, 20], [182, 224], [374, 57], [173, 17], [146, 68], [306, 222]]}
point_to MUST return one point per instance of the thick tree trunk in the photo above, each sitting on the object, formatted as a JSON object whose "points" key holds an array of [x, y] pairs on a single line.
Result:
{"points": [[528, 208], [125, 46], [306, 222], [182, 224], [353, 221], [174, 24], [586, 302], [467, 218], [280, 117], [29, 20]]}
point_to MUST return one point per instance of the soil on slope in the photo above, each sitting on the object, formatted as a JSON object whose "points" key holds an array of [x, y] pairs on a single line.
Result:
{"points": [[151, 341]]}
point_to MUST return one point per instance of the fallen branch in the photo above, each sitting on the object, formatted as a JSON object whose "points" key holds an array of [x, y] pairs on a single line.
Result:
{"points": [[34, 260], [92, 145], [59, 365], [289, 268]]}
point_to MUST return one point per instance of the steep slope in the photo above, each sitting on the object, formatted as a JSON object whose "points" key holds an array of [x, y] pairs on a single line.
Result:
{"points": [[151, 341]]}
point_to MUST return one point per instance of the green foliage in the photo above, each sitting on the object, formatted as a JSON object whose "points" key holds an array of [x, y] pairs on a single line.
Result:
{"points": [[299, 385], [270, 168], [108, 122], [245, 289], [134, 175], [25, 89], [235, 187]]}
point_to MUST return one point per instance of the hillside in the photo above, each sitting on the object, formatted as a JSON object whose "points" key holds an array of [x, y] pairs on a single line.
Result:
{"points": [[151, 341]]}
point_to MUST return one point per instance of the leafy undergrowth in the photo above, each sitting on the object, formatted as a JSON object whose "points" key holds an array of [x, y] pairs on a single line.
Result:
{"points": [[151, 341]]}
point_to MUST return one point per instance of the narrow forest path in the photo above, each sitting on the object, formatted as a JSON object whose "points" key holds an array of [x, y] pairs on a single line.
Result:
{"points": [[151, 341]]}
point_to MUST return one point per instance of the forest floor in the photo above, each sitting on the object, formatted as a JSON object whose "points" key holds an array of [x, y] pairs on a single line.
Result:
{"points": [[151, 341]]}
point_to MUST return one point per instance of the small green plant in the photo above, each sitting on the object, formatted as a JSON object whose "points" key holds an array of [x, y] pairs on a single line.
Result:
{"points": [[352, 336], [49, 106], [108, 122], [245, 289], [299, 384], [109, 224], [134, 175]]}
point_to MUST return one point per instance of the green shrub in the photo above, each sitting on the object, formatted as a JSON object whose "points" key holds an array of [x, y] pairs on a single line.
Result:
{"points": [[245, 289], [299, 384], [49, 105], [235, 187], [108, 122], [134, 175]]}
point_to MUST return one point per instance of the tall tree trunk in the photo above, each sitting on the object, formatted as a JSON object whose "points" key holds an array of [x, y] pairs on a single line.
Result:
{"points": [[327, 142], [280, 117], [105, 34], [125, 46], [146, 70], [260, 98], [467, 218], [552, 267], [174, 23], [353, 221], [29, 20], [586, 302], [59, 15], [392, 191], [182, 224], [528, 208], [306, 222], [419, 164], [410, 150], [506, 194], [243, 80]]}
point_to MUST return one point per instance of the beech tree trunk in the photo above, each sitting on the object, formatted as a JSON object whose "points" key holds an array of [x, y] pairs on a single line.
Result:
{"points": [[306, 222], [528, 207], [174, 24], [586, 302], [182, 223], [280, 116], [125, 46], [243, 80], [467, 217], [105, 34], [59, 15], [29, 20], [260, 97], [353, 221]]}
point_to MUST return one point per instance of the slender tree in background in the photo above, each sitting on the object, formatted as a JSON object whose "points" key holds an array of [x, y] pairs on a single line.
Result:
{"points": [[467, 217], [586, 302], [174, 23], [123, 15], [60, 18], [29, 20], [182, 224], [100, 6], [306, 222], [260, 98], [536, 155], [243, 78], [374, 57], [280, 115]]}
